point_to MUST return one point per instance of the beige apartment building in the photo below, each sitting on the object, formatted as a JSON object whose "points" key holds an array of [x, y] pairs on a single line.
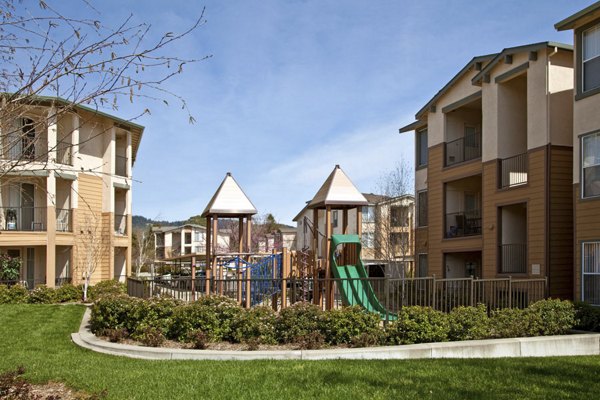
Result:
{"points": [[176, 241], [65, 192], [586, 156], [494, 167]]}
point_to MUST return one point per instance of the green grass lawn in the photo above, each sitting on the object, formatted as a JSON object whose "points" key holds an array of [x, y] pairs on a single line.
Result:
{"points": [[38, 337]]}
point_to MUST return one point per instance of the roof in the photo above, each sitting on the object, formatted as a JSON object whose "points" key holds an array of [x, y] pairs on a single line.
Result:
{"points": [[229, 200], [136, 130], [518, 49], [588, 13], [337, 190], [391, 200], [297, 217], [375, 198], [170, 228]]}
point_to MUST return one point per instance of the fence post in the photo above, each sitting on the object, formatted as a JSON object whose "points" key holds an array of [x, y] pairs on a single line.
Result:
{"points": [[510, 292], [284, 275], [472, 291], [434, 293], [248, 286]]}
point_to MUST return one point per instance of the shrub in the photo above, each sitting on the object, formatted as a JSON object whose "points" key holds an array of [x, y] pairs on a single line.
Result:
{"points": [[116, 335], [551, 317], [340, 326], [68, 293], [199, 339], [152, 337], [226, 309], [106, 288], [155, 312], [297, 321], [257, 323], [588, 316], [469, 323], [418, 325], [112, 312], [368, 339], [310, 341], [191, 317], [510, 323], [42, 295], [13, 295]]}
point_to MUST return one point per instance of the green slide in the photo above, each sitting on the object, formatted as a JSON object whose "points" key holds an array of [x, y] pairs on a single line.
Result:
{"points": [[353, 285]]}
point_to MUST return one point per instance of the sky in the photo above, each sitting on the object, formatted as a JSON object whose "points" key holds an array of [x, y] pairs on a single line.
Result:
{"points": [[294, 87]]}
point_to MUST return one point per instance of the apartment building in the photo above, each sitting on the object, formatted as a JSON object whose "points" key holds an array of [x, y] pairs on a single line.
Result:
{"points": [[65, 191], [175, 241], [494, 168], [283, 237], [586, 156]]}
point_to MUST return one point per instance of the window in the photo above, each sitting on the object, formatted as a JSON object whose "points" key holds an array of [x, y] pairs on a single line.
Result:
{"points": [[188, 237], [423, 267], [398, 216], [368, 240], [197, 236], [590, 59], [334, 218], [590, 165], [368, 214], [399, 239], [422, 206], [422, 151], [590, 270]]}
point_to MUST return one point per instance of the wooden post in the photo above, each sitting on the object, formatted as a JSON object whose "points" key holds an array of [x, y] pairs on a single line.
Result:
{"points": [[193, 278], [284, 276], [249, 249], [274, 277], [238, 271], [248, 286], [209, 255], [345, 221], [215, 231], [359, 221], [315, 246], [328, 274]]}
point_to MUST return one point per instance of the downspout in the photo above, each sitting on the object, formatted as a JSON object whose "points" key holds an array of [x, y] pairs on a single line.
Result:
{"points": [[548, 170]]}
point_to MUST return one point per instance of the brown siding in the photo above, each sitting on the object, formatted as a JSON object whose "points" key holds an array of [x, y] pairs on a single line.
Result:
{"points": [[587, 227], [560, 277]]}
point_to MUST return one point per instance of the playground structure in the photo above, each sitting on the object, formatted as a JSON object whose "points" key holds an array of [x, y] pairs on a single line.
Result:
{"points": [[329, 274]]}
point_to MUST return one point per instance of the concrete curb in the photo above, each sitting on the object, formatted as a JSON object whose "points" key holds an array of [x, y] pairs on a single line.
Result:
{"points": [[543, 346]]}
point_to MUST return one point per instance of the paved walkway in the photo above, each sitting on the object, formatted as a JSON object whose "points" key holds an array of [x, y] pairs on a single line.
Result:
{"points": [[544, 346]]}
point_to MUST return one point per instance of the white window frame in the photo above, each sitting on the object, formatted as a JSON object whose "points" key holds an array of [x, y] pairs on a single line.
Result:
{"points": [[581, 171], [583, 273]]}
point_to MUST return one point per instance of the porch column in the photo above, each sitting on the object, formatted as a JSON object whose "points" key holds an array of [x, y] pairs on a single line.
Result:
{"points": [[50, 230]]}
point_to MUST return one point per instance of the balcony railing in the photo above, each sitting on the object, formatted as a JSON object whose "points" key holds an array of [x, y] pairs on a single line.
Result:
{"points": [[461, 224], [463, 149], [63, 154], [120, 224], [64, 220], [121, 166], [513, 171], [23, 218], [513, 258]]}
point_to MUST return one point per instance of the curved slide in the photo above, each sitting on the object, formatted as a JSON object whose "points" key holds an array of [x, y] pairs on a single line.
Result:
{"points": [[353, 283]]}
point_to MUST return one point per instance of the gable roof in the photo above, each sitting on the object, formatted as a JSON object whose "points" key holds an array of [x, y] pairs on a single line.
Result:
{"points": [[588, 13], [229, 200], [337, 190]]}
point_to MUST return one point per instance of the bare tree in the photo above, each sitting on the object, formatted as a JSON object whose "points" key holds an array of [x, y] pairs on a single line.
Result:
{"points": [[91, 242], [143, 248], [50, 58], [393, 236]]}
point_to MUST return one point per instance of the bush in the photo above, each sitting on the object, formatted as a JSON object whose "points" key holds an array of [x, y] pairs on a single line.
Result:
{"points": [[116, 335], [68, 292], [469, 323], [296, 321], [191, 317], [370, 339], [510, 323], [156, 313], [226, 309], [152, 337], [256, 324], [13, 295], [340, 326], [106, 288], [551, 317], [42, 295], [418, 325], [112, 312], [199, 339], [310, 341], [588, 316]]}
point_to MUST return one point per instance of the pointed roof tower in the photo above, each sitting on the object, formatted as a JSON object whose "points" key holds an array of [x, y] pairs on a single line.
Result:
{"points": [[338, 190], [229, 200]]}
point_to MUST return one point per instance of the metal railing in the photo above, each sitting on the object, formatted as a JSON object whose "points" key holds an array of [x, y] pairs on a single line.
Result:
{"points": [[391, 294], [463, 149], [513, 258], [121, 166], [513, 171], [461, 224], [23, 218], [64, 220], [120, 224]]}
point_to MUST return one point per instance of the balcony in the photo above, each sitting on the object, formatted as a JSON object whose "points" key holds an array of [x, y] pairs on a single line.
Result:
{"points": [[64, 220], [513, 258], [28, 219], [120, 225], [460, 224], [121, 166], [463, 149], [513, 171]]}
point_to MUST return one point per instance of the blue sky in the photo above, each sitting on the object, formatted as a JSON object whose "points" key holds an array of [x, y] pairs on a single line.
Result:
{"points": [[295, 87]]}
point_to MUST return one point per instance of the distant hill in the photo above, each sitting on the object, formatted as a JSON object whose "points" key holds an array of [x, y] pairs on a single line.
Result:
{"points": [[140, 222]]}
